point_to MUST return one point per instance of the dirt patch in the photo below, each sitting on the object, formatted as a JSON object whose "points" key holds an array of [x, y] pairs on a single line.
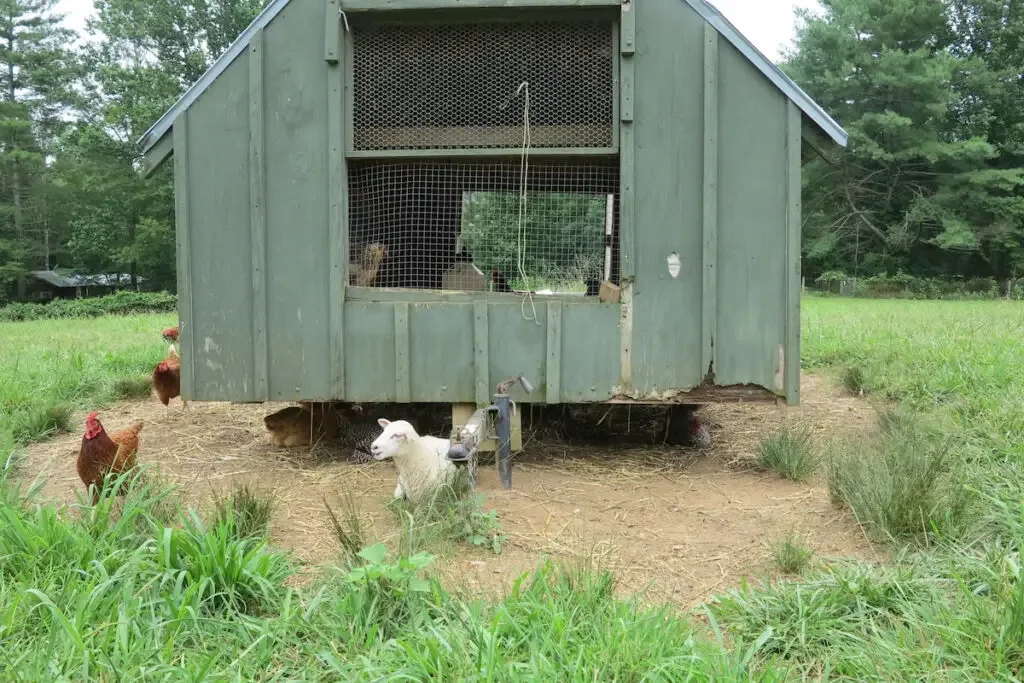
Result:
{"points": [[678, 522]]}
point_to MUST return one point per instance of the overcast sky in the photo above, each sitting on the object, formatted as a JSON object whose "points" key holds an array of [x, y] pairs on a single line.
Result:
{"points": [[767, 23]]}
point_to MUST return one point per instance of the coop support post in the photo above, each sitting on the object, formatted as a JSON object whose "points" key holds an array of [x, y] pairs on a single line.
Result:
{"points": [[503, 427], [466, 441]]}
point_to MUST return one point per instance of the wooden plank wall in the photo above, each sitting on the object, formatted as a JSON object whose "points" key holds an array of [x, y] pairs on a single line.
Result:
{"points": [[262, 263]]}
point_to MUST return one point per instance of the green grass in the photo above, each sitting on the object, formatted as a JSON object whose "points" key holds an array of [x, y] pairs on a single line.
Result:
{"points": [[157, 592], [789, 453], [50, 368], [105, 596], [450, 515], [249, 511], [791, 556]]}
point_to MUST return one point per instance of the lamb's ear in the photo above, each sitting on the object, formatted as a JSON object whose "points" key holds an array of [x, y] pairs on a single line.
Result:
{"points": [[383, 423]]}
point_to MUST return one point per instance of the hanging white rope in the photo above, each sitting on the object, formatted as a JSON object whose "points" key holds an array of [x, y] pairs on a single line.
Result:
{"points": [[524, 166]]}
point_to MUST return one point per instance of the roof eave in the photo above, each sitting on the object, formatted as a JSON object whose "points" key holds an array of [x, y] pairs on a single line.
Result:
{"points": [[794, 92], [160, 129]]}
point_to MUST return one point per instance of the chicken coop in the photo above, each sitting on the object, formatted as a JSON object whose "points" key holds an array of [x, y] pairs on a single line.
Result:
{"points": [[412, 200]]}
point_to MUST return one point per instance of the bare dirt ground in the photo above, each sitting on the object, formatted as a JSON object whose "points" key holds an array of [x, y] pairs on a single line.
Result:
{"points": [[678, 523]]}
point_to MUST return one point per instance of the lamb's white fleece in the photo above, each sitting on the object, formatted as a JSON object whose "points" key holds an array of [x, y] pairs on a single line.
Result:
{"points": [[422, 461]]}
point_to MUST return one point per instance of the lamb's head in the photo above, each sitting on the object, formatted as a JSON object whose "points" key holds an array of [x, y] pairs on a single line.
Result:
{"points": [[395, 435]]}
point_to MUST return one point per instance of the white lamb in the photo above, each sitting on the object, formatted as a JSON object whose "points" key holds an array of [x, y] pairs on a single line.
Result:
{"points": [[422, 461]]}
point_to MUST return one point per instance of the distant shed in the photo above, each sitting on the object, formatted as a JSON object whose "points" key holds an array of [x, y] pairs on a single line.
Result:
{"points": [[49, 284], [344, 158]]}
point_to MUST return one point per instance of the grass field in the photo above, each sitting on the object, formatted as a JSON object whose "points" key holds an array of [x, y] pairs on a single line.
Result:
{"points": [[161, 593]]}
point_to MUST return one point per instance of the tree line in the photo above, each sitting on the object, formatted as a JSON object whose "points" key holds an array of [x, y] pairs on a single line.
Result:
{"points": [[71, 109], [931, 92]]}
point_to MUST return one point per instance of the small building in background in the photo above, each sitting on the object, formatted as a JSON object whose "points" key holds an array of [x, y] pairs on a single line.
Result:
{"points": [[44, 285]]}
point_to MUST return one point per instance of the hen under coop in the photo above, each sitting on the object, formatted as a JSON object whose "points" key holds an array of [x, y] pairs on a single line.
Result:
{"points": [[409, 201]]}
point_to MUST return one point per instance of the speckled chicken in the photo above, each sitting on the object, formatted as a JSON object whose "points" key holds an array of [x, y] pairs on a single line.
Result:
{"points": [[358, 430]]}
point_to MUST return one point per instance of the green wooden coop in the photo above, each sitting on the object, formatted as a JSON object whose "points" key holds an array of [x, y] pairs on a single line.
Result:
{"points": [[411, 200]]}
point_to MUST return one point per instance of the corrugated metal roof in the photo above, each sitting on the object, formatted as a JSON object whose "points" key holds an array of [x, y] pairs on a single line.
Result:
{"points": [[710, 14], [104, 280]]}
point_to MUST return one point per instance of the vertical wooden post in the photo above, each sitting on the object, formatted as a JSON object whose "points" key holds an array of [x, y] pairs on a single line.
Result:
{"points": [[337, 178], [258, 218], [791, 380], [186, 337], [709, 305]]}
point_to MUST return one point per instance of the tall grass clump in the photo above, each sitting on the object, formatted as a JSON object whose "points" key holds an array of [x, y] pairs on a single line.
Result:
{"points": [[246, 510], [854, 380], [349, 530], [790, 453], [450, 514], [791, 555], [905, 485], [133, 387], [39, 421]]}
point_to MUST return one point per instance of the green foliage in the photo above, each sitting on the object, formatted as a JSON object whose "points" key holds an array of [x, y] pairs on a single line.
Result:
{"points": [[36, 86], [248, 511], [100, 595], [791, 556], [552, 258], [119, 303], [449, 515], [49, 368], [931, 181], [789, 453], [102, 592]]}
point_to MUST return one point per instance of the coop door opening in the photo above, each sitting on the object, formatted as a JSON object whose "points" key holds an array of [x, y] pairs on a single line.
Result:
{"points": [[477, 227]]}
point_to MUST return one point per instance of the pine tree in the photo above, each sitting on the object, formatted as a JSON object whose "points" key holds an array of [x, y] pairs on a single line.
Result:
{"points": [[921, 185], [36, 76]]}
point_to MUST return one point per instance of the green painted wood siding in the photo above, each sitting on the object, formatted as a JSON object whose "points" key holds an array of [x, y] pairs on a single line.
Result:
{"points": [[752, 224], [669, 145], [740, 213], [218, 331], [260, 183]]}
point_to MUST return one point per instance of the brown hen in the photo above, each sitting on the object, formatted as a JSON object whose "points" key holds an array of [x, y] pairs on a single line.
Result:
{"points": [[167, 378], [102, 453]]}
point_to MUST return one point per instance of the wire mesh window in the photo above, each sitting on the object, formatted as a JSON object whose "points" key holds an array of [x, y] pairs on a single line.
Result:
{"points": [[451, 86], [465, 226]]}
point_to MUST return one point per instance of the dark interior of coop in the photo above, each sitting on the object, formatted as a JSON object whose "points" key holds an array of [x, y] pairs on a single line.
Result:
{"points": [[514, 179]]}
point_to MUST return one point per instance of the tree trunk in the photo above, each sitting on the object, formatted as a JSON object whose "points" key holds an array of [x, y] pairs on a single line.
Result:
{"points": [[19, 222], [135, 263]]}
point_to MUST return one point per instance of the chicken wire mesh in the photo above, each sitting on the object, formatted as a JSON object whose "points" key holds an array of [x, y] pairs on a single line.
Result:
{"points": [[457, 226], [450, 86]]}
